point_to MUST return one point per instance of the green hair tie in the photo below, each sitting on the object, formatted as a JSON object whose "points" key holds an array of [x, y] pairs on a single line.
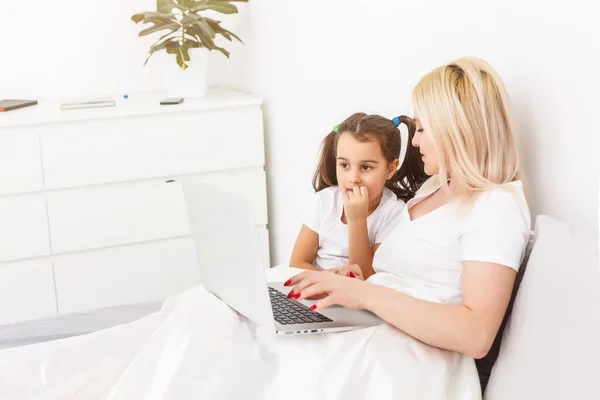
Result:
{"points": [[336, 128]]}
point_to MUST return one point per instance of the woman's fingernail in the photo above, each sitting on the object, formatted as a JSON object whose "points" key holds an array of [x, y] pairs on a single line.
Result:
{"points": [[351, 275], [290, 294], [288, 282], [297, 296], [313, 307]]}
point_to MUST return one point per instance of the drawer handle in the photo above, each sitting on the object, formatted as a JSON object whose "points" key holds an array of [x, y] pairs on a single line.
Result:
{"points": [[170, 181]]}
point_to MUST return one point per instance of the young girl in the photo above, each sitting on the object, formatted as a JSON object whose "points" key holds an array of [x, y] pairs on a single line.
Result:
{"points": [[360, 193]]}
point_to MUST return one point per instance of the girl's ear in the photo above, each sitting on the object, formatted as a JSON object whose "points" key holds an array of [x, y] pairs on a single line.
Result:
{"points": [[392, 167]]}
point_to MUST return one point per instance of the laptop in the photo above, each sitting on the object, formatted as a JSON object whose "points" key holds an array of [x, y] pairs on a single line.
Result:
{"points": [[224, 233]]}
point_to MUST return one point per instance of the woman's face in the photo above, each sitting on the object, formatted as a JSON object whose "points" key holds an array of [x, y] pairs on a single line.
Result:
{"points": [[424, 142]]}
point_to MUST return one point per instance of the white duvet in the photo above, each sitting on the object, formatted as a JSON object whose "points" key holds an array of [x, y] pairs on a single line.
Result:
{"points": [[196, 347]]}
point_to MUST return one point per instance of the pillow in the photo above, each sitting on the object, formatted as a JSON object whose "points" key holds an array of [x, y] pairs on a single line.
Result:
{"points": [[485, 364], [550, 346]]}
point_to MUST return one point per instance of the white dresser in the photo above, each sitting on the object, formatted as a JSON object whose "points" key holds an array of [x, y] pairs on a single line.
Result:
{"points": [[91, 211]]}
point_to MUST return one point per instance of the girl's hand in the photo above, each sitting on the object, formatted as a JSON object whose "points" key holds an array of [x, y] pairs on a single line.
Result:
{"points": [[356, 204], [351, 271], [341, 290]]}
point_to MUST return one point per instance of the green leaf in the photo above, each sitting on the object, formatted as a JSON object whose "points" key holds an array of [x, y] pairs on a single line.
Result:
{"points": [[137, 18], [182, 54], [196, 31], [160, 45], [222, 50], [206, 28], [220, 30], [182, 8], [159, 27], [153, 17], [165, 6], [223, 8], [164, 44], [169, 33]]}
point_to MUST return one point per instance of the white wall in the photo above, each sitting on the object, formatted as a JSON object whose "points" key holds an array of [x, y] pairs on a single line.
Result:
{"points": [[77, 48], [316, 62]]}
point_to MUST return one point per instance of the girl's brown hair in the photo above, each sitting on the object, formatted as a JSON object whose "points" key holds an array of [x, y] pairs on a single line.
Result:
{"points": [[407, 179]]}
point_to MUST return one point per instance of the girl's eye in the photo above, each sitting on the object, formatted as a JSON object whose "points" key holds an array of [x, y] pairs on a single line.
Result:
{"points": [[367, 167], [343, 165], [420, 130]]}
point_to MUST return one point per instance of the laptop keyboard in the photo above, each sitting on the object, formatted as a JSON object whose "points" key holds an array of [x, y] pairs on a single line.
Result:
{"points": [[288, 312]]}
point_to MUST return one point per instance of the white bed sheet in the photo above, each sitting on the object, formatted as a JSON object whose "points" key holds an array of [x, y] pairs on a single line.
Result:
{"points": [[164, 355]]}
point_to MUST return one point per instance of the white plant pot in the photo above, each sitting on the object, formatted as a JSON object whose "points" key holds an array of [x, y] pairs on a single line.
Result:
{"points": [[189, 83]]}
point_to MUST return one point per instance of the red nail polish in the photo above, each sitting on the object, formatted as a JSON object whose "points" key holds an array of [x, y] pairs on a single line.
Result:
{"points": [[288, 282], [313, 307], [351, 275], [297, 296], [290, 294]]}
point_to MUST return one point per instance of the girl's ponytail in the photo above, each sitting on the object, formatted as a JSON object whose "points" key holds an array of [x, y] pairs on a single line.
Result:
{"points": [[325, 175], [411, 174]]}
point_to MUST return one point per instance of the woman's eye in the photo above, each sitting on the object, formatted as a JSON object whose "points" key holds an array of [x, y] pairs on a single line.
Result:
{"points": [[344, 165], [420, 130]]}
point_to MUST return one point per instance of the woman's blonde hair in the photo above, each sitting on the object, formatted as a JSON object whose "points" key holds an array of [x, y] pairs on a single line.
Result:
{"points": [[465, 108]]}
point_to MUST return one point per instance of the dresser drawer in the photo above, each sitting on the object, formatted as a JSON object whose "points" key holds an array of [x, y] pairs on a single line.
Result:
{"points": [[23, 227], [116, 150], [20, 162], [130, 274], [26, 291], [125, 275], [109, 215], [102, 216]]}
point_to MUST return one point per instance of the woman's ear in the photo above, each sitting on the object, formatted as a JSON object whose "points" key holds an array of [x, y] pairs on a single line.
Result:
{"points": [[392, 167]]}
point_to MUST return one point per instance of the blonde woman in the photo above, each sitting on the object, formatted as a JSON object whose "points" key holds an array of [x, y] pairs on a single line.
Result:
{"points": [[443, 280], [465, 231]]}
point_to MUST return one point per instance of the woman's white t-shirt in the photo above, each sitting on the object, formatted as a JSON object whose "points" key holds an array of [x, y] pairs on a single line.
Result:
{"points": [[324, 217], [430, 249]]}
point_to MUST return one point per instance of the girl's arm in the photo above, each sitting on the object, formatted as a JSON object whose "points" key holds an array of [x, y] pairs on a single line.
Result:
{"points": [[305, 249], [356, 211], [359, 247]]}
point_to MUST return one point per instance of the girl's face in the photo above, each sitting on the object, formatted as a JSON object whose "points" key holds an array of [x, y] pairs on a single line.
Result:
{"points": [[362, 164], [424, 142]]}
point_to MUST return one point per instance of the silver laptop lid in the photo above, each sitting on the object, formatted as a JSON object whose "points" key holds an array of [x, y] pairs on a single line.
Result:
{"points": [[227, 248]]}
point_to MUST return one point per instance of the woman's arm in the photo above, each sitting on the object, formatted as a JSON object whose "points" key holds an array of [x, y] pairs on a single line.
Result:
{"points": [[468, 328], [305, 249]]}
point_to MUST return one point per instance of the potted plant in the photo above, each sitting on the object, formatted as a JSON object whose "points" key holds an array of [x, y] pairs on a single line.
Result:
{"points": [[187, 34]]}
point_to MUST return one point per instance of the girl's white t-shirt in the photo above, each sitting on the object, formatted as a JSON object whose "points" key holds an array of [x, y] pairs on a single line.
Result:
{"points": [[431, 249], [324, 217]]}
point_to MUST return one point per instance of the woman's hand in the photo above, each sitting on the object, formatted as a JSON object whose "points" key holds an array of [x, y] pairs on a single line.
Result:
{"points": [[351, 271], [323, 295], [341, 290], [356, 204]]}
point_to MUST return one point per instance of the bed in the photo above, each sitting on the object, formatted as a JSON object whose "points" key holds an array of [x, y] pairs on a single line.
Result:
{"points": [[549, 344], [52, 328]]}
